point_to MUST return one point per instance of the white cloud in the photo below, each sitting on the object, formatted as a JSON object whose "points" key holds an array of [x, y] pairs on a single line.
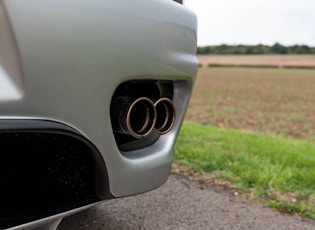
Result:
{"points": [[252, 22]]}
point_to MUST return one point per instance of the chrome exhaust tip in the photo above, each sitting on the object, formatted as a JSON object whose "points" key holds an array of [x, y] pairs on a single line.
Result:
{"points": [[165, 111], [136, 117]]}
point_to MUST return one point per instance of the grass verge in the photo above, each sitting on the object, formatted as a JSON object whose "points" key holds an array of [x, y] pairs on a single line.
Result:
{"points": [[279, 171]]}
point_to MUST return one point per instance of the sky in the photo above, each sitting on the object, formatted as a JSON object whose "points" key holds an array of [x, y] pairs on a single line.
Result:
{"points": [[251, 22]]}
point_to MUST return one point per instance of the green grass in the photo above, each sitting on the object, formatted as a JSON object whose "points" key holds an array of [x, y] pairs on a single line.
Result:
{"points": [[266, 167]]}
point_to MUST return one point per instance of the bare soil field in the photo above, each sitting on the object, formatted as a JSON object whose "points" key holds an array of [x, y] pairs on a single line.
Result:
{"points": [[271, 60], [274, 101]]}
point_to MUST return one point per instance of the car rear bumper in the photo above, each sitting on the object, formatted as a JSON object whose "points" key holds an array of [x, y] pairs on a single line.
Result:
{"points": [[73, 55]]}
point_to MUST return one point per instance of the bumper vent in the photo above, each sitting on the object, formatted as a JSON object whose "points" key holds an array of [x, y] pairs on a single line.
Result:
{"points": [[43, 174]]}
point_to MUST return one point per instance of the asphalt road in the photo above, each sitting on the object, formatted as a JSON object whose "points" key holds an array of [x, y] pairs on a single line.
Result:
{"points": [[182, 204]]}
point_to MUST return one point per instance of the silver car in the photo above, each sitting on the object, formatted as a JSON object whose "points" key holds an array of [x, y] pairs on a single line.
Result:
{"points": [[92, 97]]}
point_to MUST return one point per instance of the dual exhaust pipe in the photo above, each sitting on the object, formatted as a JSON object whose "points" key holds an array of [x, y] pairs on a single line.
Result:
{"points": [[138, 117]]}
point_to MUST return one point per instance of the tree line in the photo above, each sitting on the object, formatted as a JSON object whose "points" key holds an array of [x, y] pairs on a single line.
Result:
{"points": [[277, 48]]}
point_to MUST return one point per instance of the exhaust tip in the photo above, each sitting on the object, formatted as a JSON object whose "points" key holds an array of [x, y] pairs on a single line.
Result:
{"points": [[140, 118], [165, 110]]}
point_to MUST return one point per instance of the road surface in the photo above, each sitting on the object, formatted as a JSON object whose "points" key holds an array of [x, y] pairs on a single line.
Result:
{"points": [[183, 204]]}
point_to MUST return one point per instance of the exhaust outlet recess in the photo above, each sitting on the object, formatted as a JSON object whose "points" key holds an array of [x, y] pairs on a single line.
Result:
{"points": [[140, 112]]}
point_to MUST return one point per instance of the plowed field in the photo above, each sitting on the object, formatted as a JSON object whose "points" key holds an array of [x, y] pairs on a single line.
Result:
{"points": [[275, 101], [268, 60]]}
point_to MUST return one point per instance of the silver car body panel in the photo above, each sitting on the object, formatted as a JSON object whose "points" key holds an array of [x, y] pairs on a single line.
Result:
{"points": [[68, 57]]}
